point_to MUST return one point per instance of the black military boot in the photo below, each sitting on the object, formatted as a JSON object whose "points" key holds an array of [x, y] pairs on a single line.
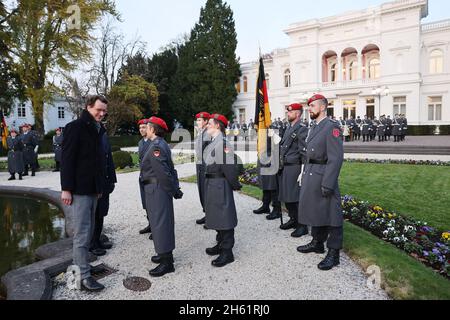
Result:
{"points": [[33, 173], [330, 261], [146, 230], [20, 176], [201, 221], [166, 266], [313, 247], [276, 214], [91, 285], [13, 177], [291, 224], [301, 231], [226, 257], [214, 251], [265, 209], [156, 259]]}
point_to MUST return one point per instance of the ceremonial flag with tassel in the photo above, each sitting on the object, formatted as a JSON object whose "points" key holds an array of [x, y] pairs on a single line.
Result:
{"points": [[3, 130], [263, 118]]}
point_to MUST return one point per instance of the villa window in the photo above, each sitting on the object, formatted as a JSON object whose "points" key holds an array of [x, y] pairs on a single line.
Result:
{"points": [[436, 62], [374, 69], [287, 78]]}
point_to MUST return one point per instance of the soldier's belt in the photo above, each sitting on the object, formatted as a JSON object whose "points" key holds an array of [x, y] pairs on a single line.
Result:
{"points": [[292, 164], [214, 175], [321, 162], [150, 181]]}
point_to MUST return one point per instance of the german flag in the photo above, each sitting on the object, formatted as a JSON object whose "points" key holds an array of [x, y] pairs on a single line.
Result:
{"points": [[263, 118], [3, 130]]}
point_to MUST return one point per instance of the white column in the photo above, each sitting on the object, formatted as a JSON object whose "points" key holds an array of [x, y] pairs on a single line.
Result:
{"points": [[360, 64], [339, 69]]}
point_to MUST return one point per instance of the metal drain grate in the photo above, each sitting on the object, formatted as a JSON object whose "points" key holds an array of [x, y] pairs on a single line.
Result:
{"points": [[102, 271], [137, 284]]}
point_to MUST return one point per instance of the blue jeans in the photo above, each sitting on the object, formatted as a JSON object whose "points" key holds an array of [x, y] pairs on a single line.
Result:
{"points": [[83, 211]]}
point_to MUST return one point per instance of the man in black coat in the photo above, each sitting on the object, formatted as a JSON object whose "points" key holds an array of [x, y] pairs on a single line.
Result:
{"points": [[82, 178]]}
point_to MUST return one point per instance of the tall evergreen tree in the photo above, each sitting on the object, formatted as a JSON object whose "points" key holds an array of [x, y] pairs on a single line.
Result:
{"points": [[208, 67]]}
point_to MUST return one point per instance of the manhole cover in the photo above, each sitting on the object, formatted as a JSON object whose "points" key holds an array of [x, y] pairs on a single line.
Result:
{"points": [[137, 284]]}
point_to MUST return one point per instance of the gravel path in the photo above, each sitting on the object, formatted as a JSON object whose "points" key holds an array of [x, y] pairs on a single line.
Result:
{"points": [[267, 264]]}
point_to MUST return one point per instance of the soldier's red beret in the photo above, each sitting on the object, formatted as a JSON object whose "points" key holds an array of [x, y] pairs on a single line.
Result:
{"points": [[160, 122], [315, 98], [13, 130], [58, 129], [220, 118], [294, 106], [203, 115], [143, 121]]}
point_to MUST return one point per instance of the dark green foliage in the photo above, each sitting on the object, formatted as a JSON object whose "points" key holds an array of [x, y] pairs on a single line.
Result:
{"points": [[122, 159]]}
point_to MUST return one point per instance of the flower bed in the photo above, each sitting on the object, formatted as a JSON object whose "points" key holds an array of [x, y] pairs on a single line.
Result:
{"points": [[411, 162], [426, 244]]}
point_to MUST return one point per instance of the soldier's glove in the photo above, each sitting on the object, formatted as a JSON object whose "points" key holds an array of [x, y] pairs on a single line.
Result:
{"points": [[327, 192], [178, 195]]}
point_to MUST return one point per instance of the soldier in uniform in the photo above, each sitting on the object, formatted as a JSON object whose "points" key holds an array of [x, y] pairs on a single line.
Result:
{"points": [[381, 130], [221, 180], [201, 143], [357, 129], [320, 199], [161, 186], [404, 123], [396, 129], [15, 155], [57, 148], [143, 146], [388, 128], [30, 144], [269, 186], [292, 151], [366, 129]]}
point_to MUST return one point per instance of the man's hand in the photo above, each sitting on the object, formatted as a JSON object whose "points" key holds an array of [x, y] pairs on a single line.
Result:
{"points": [[66, 198], [327, 192]]}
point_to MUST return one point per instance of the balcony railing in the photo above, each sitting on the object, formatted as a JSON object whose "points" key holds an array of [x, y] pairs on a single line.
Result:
{"points": [[436, 25], [350, 83]]}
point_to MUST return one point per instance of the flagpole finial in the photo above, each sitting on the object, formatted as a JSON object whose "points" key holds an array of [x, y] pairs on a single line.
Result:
{"points": [[259, 45]]}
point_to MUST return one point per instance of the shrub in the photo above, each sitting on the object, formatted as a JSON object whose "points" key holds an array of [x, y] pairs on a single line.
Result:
{"points": [[122, 159], [115, 148]]}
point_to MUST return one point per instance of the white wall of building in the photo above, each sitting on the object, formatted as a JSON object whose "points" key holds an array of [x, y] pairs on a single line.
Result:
{"points": [[392, 32], [56, 115]]}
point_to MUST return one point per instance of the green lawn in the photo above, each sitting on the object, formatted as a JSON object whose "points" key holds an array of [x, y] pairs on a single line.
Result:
{"points": [[402, 276], [422, 192]]}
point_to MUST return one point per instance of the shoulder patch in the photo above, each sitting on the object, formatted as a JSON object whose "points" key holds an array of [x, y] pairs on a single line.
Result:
{"points": [[336, 133], [157, 152]]}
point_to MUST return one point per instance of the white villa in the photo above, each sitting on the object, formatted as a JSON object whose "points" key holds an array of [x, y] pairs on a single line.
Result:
{"points": [[379, 61]]}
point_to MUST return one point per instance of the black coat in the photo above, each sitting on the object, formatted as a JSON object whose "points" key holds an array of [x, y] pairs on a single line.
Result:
{"points": [[82, 160]]}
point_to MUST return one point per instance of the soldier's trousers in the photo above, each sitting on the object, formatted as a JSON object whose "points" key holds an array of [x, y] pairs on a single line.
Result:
{"points": [[334, 236], [292, 209], [271, 196], [225, 239]]}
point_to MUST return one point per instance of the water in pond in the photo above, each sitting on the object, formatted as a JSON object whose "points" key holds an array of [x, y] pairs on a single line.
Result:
{"points": [[25, 225]]}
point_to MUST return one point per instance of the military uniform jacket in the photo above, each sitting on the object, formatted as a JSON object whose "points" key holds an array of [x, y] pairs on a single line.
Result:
{"points": [[219, 199], [324, 144], [404, 123], [15, 155], [381, 129], [57, 147], [396, 128], [292, 152], [268, 182], [142, 149], [201, 143], [158, 169], [388, 127], [366, 127], [30, 142]]}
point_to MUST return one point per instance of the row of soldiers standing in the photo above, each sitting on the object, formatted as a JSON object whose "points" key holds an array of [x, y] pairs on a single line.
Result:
{"points": [[23, 152], [310, 161], [159, 184], [383, 128]]}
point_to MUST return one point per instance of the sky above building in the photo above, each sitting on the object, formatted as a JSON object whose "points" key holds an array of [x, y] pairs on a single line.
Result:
{"points": [[258, 22]]}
